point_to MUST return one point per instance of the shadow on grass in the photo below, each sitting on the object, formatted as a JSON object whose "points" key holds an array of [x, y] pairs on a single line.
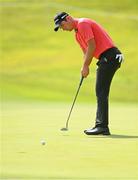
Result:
{"points": [[123, 136], [115, 136]]}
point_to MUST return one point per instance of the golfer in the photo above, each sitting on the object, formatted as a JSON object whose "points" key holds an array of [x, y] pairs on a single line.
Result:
{"points": [[94, 42]]}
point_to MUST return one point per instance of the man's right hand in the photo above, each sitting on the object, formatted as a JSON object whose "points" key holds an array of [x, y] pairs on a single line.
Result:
{"points": [[85, 71]]}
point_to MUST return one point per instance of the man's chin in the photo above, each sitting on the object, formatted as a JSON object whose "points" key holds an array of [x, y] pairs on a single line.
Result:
{"points": [[67, 29]]}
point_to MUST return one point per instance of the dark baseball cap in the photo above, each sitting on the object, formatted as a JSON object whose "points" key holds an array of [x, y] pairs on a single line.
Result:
{"points": [[58, 19]]}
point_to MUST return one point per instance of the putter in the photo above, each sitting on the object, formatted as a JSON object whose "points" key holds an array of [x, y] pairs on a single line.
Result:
{"points": [[67, 122]]}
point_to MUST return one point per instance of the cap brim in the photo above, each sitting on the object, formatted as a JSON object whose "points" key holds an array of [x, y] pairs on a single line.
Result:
{"points": [[56, 27]]}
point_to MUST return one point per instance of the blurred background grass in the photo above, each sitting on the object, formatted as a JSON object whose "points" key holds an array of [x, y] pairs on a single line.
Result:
{"points": [[39, 64]]}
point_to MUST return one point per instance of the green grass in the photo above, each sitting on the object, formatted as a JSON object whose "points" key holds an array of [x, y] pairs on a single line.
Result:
{"points": [[67, 155], [43, 67], [36, 62]]}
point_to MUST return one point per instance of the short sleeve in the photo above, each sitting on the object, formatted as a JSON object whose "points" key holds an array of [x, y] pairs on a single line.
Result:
{"points": [[85, 31]]}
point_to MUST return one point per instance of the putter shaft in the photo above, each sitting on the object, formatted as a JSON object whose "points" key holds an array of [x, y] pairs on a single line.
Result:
{"points": [[67, 122]]}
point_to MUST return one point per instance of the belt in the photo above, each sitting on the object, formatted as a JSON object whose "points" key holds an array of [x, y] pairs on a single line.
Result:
{"points": [[112, 53]]}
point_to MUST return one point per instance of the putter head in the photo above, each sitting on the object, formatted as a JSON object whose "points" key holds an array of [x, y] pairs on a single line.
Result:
{"points": [[64, 129]]}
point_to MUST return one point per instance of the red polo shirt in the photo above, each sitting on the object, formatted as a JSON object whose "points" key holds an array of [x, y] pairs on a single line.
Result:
{"points": [[87, 29]]}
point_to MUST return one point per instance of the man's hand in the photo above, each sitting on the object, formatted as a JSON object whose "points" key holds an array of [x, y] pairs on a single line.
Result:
{"points": [[85, 71]]}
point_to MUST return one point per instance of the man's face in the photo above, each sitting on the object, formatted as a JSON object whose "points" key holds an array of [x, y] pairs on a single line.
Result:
{"points": [[66, 25]]}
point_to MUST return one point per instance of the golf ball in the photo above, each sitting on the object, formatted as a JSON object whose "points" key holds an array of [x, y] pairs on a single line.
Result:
{"points": [[43, 142]]}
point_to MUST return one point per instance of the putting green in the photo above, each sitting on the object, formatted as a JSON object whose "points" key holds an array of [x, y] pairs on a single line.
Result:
{"points": [[67, 155]]}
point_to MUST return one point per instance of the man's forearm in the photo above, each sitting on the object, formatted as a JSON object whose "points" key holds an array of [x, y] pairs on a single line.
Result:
{"points": [[88, 57], [89, 53]]}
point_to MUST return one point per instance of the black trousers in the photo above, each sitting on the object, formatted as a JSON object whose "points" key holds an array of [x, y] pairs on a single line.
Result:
{"points": [[108, 64]]}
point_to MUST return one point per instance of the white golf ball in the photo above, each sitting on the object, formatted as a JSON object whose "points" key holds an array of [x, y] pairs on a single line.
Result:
{"points": [[43, 142]]}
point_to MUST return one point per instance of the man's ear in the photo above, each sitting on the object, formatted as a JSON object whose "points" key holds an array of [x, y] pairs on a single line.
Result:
{"points": [[68, 18]]}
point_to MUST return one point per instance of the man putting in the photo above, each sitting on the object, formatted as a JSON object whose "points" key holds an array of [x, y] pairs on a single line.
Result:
{"points": [[94, 42]]}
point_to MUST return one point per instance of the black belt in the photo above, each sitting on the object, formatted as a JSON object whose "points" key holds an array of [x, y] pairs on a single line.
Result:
{"points": [[109, 52], [110, 55]]}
